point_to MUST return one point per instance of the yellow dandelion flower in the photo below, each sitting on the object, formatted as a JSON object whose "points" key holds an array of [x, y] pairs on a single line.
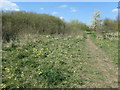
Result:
{"points": [[7, 69], [3, 85]]}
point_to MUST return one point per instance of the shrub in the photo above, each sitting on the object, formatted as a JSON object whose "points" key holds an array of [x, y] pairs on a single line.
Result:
{"points": [[18, 24]]}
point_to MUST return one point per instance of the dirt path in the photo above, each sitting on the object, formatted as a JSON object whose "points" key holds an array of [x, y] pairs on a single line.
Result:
{"points": [[102, 64]]}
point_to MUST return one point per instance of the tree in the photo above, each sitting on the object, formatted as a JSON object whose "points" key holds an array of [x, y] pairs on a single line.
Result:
{"points": [[96, 22], [110, 25]]}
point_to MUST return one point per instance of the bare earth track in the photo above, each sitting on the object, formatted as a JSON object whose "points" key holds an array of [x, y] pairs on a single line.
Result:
{"points": [[103, 65]]}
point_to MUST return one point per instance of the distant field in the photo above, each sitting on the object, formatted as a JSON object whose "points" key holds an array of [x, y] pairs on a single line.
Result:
{"points": [[47, 61]]}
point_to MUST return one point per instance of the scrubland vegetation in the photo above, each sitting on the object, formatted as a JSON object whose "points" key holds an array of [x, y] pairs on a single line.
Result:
{"points": [[43, 51], [18, 24]]}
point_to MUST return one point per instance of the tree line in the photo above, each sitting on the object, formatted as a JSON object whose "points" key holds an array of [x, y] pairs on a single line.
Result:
{"points": [[18, 24]]}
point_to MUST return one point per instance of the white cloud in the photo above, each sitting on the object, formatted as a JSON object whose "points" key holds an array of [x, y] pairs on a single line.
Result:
{"points": [[116, 10], [63, 6], [17, 9], [41, 8], [62, 18], [73, 10], [54, 13], [8, 5]]}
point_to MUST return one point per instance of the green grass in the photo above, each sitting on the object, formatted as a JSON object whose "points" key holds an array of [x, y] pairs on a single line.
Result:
{"points": [[49, 62], [44, 62]]}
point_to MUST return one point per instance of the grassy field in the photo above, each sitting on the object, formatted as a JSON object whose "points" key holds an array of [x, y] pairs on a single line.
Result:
{"points": [[48, 49], [55, 61]]}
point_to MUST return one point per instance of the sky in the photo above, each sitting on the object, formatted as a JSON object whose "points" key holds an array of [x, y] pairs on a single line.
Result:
{"points": [[83, 11]]}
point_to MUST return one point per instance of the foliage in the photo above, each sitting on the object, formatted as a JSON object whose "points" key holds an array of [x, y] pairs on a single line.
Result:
{"points": [[50, 62], [74, 27], [18, 24], [40, 63], [110, 25]]}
